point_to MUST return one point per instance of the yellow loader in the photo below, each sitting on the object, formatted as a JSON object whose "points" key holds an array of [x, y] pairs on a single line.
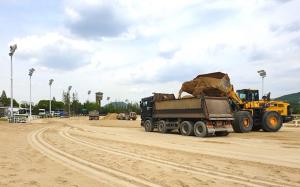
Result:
{"points": [[251, 113]]}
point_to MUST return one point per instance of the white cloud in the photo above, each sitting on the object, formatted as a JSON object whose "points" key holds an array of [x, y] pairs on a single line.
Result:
{"points": [[129, 49], [54, 51]]}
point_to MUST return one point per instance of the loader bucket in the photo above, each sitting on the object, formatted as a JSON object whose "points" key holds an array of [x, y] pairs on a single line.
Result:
{"points": [[212, 84]]}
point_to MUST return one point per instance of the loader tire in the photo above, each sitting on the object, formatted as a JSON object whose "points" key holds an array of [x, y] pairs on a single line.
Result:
{"points": [[200, 129], [162, 128], [148, 126], [243, 122], [186, 128], [271, 121]]}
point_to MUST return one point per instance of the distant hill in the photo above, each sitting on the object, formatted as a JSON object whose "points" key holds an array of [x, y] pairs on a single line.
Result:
{"points": [[293, 99], [117, 104]]}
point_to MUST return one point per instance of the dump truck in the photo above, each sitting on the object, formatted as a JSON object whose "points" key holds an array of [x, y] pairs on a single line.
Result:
{"points": [[127, 116], [250, 112], [199, 116], [94, 115]]}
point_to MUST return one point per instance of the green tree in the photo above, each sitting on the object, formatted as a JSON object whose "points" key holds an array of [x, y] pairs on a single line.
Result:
{"points": [[90, 106], [6, 102], [76, 106]]}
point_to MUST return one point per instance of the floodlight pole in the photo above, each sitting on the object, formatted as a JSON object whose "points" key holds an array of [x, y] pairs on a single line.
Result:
{"points": [[30, 99], [263, 74], [50, 84], [262, 86], [13, 48], [50, 101], [69, 89], [30, 75], [11, 87]]}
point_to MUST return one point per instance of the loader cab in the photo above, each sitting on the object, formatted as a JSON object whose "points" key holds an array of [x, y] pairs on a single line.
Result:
{"points": [[248, 95]]}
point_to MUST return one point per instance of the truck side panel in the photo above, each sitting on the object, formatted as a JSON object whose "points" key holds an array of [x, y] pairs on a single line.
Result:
{"points": [[179, 108]]}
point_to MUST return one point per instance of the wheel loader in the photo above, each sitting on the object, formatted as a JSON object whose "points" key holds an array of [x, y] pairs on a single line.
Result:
{"points": [[251, 113]]}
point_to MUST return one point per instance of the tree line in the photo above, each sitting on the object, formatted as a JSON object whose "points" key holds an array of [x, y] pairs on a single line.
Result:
{"points": [[76, 107]]}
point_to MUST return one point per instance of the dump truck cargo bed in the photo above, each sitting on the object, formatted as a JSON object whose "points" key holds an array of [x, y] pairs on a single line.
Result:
{"points": [[212, 108]]}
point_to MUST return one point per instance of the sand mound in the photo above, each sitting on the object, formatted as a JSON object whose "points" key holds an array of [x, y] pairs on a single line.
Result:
{"points": [[110, 116]]}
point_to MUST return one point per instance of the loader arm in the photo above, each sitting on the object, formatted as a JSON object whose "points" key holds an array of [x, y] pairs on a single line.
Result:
{"points": [[233, 95]]}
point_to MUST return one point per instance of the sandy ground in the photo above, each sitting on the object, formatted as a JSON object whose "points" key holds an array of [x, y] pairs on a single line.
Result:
{"points": [[78, 152]]}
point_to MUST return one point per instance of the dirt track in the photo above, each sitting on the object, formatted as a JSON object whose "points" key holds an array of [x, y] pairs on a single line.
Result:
{"points": [[78, 152]]}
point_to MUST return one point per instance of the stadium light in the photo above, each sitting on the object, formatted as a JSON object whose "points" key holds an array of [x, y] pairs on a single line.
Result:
{"points": [[30, 75], [13, 48], [50, 84], [69, 89], [262, 74]]}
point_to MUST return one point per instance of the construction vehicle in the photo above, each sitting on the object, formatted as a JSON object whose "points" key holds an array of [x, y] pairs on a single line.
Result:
{"points": [[251, 113], [94, 115], [127, 116], [199, 116]]}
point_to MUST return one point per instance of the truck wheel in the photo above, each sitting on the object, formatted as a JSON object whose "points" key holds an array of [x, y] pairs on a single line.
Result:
{"points": [[186, 128], [148, 126], [200, 129], [271, 122], [162, 126], [243, 122], [221, 133]]}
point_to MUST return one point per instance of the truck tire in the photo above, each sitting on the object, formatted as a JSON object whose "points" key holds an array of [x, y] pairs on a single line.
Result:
{"points": [[271, 121], [243, 122], [148, 126], [162, 128], [186, 128], [200, 129]]}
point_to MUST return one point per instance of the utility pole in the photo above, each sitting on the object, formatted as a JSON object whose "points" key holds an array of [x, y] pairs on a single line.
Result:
{"points": [[30, 75], [50, 84], [11, 53]]}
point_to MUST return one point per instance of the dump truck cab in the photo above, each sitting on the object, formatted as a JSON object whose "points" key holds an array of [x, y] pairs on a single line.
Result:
{"points": [[146, 105]]}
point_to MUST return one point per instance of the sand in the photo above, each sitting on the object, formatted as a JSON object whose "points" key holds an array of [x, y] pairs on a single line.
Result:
{"points": [[110, 116], [79, 152]]}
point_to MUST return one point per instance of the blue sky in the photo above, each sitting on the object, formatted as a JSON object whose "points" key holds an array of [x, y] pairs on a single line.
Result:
{"points": [[129, 49]]}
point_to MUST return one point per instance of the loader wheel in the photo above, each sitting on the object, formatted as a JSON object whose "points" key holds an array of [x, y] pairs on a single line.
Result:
{"points": [[243, 122], [200, 129], [148, 126], [162, 128], [271, 122], [186, 128]]}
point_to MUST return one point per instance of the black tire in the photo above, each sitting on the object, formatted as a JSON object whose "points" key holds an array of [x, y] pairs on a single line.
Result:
{"points": [[162, 128], [243, 122], [148, 126], [186, 128], [271, 121], [221, 133], [200, 129]]}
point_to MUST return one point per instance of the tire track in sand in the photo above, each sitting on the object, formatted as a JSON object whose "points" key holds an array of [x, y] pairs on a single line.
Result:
{"points": [[100, 173], [190, 169]]}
